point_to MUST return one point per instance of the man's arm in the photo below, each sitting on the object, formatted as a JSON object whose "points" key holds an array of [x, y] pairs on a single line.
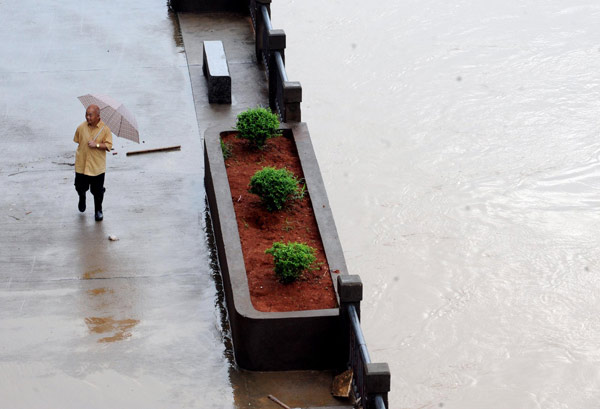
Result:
{"points": [[98, 145], [104, 142]]}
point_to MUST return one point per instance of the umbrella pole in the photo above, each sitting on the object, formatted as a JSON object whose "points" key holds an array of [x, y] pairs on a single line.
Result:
{"points": [[108, 119], [97, 134]]}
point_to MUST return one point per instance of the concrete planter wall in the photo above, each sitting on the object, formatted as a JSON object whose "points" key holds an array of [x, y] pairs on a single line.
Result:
{"points": [[270, 341]]}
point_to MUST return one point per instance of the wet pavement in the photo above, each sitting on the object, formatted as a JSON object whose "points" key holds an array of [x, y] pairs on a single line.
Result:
{"points": [[88, 322]]}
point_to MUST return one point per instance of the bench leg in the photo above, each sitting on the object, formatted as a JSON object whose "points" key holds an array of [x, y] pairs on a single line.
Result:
{"points": [[219, 90]]}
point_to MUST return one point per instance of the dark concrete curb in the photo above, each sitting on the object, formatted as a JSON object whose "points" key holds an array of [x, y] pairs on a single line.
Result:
{"points": [[275, 341], [331, 407], [209, 6]]}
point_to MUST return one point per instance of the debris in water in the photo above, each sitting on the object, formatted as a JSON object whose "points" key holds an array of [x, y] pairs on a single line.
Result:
{"points": [[277, 401], [113, 238], [341, 384]]}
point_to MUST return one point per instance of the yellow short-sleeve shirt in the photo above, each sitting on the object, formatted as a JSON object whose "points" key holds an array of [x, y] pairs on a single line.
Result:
{"points": [[91, 161]]}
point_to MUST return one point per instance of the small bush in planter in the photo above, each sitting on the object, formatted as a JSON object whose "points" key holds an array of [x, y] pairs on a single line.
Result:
{"points": [[226, 149], [257, 125], [291, 260], [275, 187]]}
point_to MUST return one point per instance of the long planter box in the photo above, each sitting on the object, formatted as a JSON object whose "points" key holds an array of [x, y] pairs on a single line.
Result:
{"points": [[274, 341]]}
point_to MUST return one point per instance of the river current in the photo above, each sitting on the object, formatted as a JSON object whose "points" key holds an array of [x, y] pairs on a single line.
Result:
{"points": [[460, 146]]}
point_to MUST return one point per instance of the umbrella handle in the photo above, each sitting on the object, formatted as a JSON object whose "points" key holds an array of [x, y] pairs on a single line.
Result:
{"points": [[98, 134]]}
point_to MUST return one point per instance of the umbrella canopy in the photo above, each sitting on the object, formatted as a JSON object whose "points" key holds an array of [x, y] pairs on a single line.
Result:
{"points": [[114, 114]]}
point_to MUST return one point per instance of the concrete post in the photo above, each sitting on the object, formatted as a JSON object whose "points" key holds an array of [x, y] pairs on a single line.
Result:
{"points": [[276, 42], [378, 380], [292, 97], [350, 290]]}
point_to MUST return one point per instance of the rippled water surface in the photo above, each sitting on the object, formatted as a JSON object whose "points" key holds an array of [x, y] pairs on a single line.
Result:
{"points": [[460, 145]]}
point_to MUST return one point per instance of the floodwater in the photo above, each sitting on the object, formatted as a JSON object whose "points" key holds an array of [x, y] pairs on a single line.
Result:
{"points": [[460, 145]]}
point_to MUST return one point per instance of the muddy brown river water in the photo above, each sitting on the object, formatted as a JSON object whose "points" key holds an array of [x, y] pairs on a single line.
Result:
{"points": [[460, 146]]}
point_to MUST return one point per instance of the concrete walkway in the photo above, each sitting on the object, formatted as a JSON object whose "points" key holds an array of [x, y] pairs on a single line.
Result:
{"points": [[249, 89], [86, 322]]}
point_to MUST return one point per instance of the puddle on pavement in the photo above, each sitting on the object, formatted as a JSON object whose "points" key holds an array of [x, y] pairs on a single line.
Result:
{"points": [[120, 329], [102, 299]]}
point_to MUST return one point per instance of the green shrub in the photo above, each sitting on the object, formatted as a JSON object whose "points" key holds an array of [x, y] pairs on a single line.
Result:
{"points": [[275, 187], [291, 260], [226, 149], [256, 125]]}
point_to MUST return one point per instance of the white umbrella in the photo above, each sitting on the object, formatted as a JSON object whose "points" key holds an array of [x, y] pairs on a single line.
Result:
{"points": [[114, 114]]}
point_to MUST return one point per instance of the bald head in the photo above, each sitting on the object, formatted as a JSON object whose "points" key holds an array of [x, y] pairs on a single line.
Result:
{"points": [[92, 115]]}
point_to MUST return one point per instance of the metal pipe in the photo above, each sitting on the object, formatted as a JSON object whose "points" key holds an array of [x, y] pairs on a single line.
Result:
{"points": [[360, 339], [252, 7], [280, 65], [379, 403], [266, 18]]}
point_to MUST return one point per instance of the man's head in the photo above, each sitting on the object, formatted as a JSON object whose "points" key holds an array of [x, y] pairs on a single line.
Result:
{"points": [[92, 115]]}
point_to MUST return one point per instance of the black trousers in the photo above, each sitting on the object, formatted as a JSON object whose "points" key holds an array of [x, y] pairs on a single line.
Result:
{"points": [[96, 186]]}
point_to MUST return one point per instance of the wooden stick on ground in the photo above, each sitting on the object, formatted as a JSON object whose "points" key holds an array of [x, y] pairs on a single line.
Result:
{"points": [[277, 401], [167, 148]]}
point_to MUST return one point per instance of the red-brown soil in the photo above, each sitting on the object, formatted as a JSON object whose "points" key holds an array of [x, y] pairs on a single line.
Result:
{"points": [[259, 229]]}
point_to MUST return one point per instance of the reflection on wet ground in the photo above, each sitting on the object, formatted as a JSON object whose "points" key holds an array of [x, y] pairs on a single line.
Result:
{"points": [[98, 291], [88, 275], [119, 328], [103, 300]]}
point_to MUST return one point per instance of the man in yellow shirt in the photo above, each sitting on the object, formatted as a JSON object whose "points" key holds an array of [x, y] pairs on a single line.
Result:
{"points": [[94, 139]]}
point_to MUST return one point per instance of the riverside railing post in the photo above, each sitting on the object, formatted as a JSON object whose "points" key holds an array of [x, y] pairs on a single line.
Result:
{"points": [[260, 26], [378, 379], [350, 291], [275, 44], [292, 97]]}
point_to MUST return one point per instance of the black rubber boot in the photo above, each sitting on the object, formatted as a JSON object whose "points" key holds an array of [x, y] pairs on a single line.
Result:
{"points": [[98, 198], [81, 204]]}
